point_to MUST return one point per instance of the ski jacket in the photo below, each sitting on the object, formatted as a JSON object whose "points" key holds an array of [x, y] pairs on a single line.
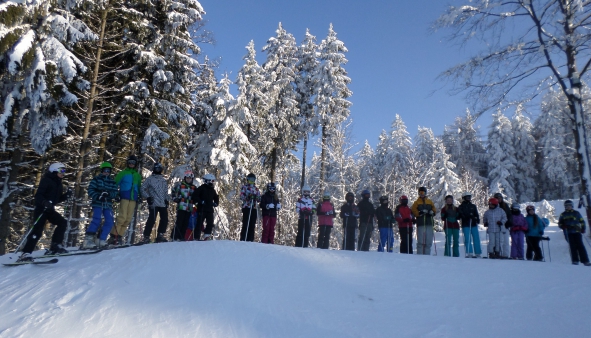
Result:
{"points": [[349, 214], [519, 223], [420, 209], [184, 191], [157, 188], [450, 217], [249, 195], [507, 208], [404, 216], [366, 211], [130, 182], [97, 186], [385, 217], [534, 230], [326, 213], [50, 189], [206, 198], [571, 221], [469, 214], [305, 207], [492, 216], [266, 200]]}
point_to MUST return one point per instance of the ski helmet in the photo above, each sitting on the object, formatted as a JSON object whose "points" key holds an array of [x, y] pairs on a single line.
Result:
{"points": [[449, 196], [515, 206], [57, 168], [350, 197], [423, 189], [365, 192], [530, 207], [467, 195], [306, 190], [326, 196], [569, 203], [498, 196], [402, 198], [493, 201], [106, 167], [158, 168], [209, 179], [271, 187], [251, 178], [132, 160], [189, 173], [383, 199]]}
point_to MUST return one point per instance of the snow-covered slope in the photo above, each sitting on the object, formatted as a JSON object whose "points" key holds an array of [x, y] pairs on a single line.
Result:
{"points": [[237, 289]]}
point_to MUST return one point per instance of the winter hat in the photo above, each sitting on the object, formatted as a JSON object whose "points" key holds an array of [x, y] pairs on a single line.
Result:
{"points": [[530, 207], [106, 165], [449, 196], [383, 199], [365, 192], [466, 194], [569, 202], [57, 168], [251, 177], [515, 206], [350, 197], [423, 189], [306, 190], [157, 168], [493, 201], [189, 173], [271, 187], [326, 196], [498, 195], [132, 160]]}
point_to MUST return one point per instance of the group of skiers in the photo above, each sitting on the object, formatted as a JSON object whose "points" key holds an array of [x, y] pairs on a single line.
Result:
{"points": [[507, 228]]}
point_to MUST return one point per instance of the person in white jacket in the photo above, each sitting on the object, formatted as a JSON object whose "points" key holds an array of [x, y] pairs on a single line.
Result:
{"points": [[155, 190], [305, 208], [498, 235]]}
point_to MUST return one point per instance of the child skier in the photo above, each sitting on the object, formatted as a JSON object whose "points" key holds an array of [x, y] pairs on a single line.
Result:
{"points": [[573, 223], [366, 216], [269, 206], [49, 193], [450, 215], [405, 220], [102, 190], [424, 212], [305, 208], [494, 219], [249, 195], [470, 220], [129, 182], [385, 218], [326, 215], [535, 231], [349, 214], [206, 199], [155, 190], [517, 232], [182, 195]]}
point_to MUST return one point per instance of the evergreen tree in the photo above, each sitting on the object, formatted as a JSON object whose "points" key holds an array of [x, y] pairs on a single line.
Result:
{"points": [[524, 145], [501, 156], [463, 143], [445, 181]]}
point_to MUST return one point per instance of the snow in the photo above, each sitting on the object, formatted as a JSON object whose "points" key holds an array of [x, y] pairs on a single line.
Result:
{"points": [[238, 289], [15, 57]]}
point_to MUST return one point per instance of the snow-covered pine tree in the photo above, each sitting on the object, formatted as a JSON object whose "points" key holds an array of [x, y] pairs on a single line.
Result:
{"points": [[398, 152], [524, 144], [366, 162], [331, 81], [382, 171], [425, 146], [444, 181], [463, 143], [501, 156]]}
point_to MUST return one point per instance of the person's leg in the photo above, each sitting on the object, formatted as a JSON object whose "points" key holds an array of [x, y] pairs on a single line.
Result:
{"points": [[95, 223], [456, 239], [252, 227], [209, 218], [299, 236], [421, 239], [429, 239], [150, 222], [327, 232], [108, 225], [37, 231], [265, 233], [272, 223], [308, 228], [476, 241], [320, 241], [61, 225]]}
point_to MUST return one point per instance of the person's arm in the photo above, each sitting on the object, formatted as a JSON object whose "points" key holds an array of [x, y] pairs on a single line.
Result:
{"points": [[415, 208]]}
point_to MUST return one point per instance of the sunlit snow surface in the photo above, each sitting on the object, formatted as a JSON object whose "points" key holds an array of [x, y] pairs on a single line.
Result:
{"points": [[237, 289]]}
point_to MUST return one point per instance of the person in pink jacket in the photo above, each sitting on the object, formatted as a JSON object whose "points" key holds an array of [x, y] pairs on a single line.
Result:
{"points": [[326, 215], [517, 232]]}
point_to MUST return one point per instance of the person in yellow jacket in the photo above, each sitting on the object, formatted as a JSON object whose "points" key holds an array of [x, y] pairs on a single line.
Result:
{"points": [[424, 211]]}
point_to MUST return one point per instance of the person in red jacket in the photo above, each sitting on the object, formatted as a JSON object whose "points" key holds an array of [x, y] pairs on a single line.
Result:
{"points": [[450, 214], [326, 215], [405, 219]]}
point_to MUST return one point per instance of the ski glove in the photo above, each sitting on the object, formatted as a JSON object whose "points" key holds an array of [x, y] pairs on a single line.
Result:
{"points": [[507, 226], [278, 206], [347, 215], [431, 212], [499, 223], [328, 213], [150, 200], [270, 206], [47, 204]]}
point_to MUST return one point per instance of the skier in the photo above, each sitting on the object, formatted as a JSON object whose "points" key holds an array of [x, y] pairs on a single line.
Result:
{"points": [[424, 211], [49, 193], [450, 214], [182, 195], [573, 223], [305, 208], [349, 215], [326, 214], [129, 182], [507, 208], [270, 206], [535, 231], [206, 199], [366, 216], [470, 220], [517, 232], [102, 190], [405, 220], [385, 219], [249, 195], [494, 219], [155, 190]]}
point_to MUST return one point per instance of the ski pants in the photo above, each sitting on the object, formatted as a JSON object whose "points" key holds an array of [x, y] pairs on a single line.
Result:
{"points": [[517, 240], [162, 225], [124, 217], [405, 240], [303, 236], [248, 224], [349, 229], [54, 218], [424, 239], [324, 236], [97, 214], [533, 248], [386, 239], [498, 242], [364, 239], [577, 248], [204, 216], [268, 235], [452, 235], [472, 243], [180, 225]]}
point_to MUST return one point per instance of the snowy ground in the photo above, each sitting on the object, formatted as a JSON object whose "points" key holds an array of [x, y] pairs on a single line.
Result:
{"points": [[237, 289]]}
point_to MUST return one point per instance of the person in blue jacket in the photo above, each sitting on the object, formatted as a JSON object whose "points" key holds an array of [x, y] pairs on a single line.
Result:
{"points": [[533, 236], [573, 224]]}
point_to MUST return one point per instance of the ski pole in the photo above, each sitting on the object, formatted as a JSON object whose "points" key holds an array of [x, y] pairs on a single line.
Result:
{"points": [[345, 239], [408, 239], [471, 239], [303, 231], [248, 222], [28, 232], [543, 253], [364, 233]]}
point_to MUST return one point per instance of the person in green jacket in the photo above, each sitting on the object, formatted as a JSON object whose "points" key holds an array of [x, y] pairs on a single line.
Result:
{"points": [[129, 182]]}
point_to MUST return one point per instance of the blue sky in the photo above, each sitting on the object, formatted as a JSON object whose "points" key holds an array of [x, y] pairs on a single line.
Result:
{"points": [[393, 59]]}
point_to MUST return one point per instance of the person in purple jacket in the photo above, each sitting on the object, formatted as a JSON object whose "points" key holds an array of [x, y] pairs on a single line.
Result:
{"points": [[517, 232]]}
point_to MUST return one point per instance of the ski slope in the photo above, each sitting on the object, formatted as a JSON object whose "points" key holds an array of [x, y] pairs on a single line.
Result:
{"points": [[237, 289]]}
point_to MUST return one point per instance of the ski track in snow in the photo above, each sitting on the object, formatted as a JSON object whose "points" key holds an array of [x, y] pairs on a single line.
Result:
{"points": [[237, 289]]}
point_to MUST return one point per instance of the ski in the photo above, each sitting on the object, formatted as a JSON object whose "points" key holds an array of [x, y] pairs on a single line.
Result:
{"points": [[72, 253], [33, 262]]}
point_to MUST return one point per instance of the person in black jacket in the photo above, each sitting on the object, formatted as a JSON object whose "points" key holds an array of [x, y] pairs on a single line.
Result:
{"points": [[469, 222], [349, 215], [49, 194], [366, 216], [206, 198], [385, 218], [269, 207]]}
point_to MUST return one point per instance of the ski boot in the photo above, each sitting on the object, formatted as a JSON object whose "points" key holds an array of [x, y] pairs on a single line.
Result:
{"points": [[89, 242], [476, 256], [25, 257], [56, 249], [587, 264], [146, 240], [115, 240], [207, 237], [160, 238], [102, 243]]}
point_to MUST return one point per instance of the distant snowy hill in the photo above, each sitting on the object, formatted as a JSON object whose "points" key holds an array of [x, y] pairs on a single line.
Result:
{"points": [[237, 289]]}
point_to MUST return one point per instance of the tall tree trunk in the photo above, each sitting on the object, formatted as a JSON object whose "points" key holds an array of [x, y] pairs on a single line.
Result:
{"points": [[10, 179], [323, 155], [304, 161], [273, 163]]}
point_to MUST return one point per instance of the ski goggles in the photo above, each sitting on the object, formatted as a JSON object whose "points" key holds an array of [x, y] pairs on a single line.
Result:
{"points": [[106, 170], [566, 205], [61, 170], [208, 181], [272, 189], [131, 162], [251, 179]]}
